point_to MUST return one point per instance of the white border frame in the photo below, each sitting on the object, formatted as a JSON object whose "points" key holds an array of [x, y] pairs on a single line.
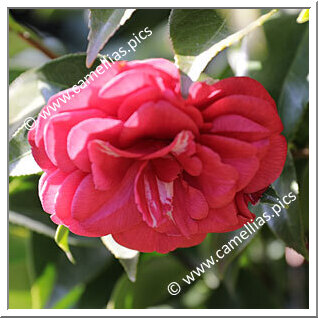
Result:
{"points": [[312, 166]]}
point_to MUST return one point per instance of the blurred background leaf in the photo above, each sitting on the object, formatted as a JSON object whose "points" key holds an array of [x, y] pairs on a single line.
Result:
{"points": [[149, 289]]}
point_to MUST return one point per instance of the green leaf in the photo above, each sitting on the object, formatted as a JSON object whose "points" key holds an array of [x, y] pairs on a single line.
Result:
{"points": [[199, 35], [288, 225], [127, 257], [21, 161], [61, 239], [70, 279], [282, 34], [303, 16], [216, 241], [31, 90], [295, 90], [42, 287], [304, 196], [14, 73], [98, 290], [103, 23], [270, 196], [150, 288], [70, 299], [19, 278]]}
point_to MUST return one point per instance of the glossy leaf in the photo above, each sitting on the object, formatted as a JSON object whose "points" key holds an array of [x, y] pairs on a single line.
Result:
{"points": [[126, 256], [270, 196], [215, 242], [21, 161], [288, 224], [149, 289], [103, 23], [199, 35], [283, 35], [61, 239], [294, 94]]}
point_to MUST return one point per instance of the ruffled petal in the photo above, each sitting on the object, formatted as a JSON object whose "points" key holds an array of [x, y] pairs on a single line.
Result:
{"points": [[132, 102], [159, 64], [56, 133], [99, 213], [108, 166], [166, 169], [238, 127], [147, 240], [253, 108], [218, 181], [64, 198], [271, 166], [201, 93], [120, 87], [87, 130], [39, 153], [49, 186], [228, 218], [55, 106], [158, 120], [239, 154]]}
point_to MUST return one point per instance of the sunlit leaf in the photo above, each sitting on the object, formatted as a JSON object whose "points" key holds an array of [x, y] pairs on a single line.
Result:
{"points": [[199, 35], [303, 16], [21, 161], [103, 23], [61, 239], [127, 257]]}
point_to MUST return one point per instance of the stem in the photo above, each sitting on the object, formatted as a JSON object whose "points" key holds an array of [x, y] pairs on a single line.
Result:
{"points": [[26, 37]]}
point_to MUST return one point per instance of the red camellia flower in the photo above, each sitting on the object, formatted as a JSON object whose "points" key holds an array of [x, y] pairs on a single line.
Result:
{"points": [[129, 156]]}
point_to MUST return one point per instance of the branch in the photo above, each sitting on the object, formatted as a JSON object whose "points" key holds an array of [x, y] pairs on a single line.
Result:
{"points": [[26, 37]]}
